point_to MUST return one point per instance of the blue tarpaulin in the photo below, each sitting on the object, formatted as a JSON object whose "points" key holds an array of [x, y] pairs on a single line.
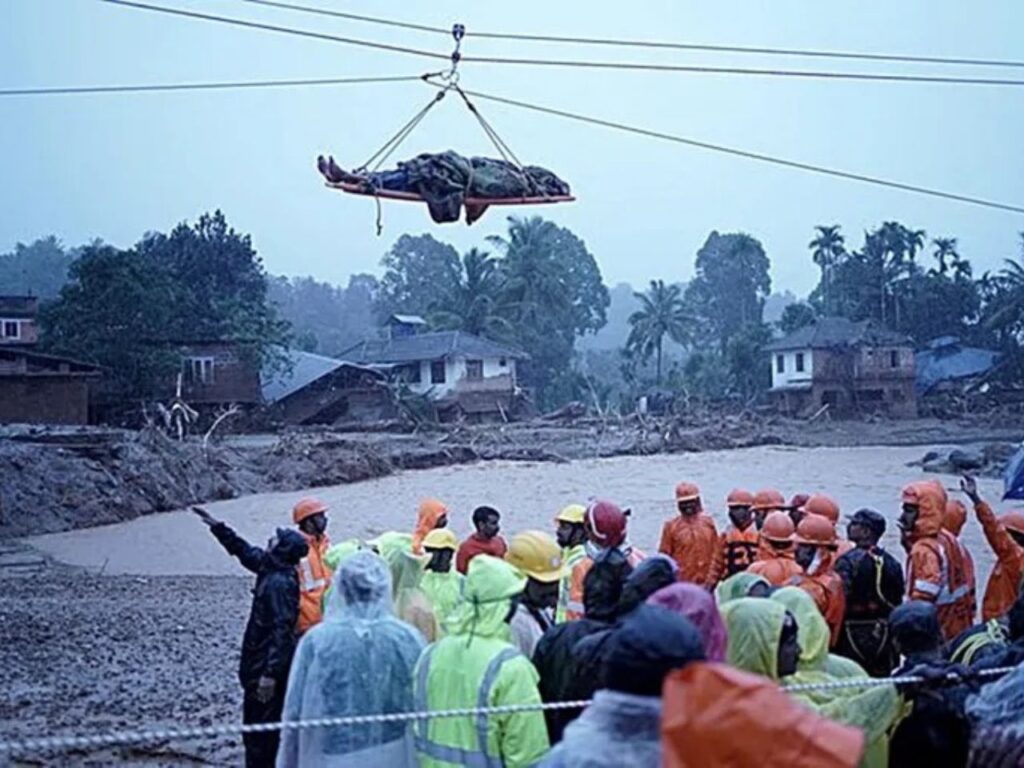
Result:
{"points": [[1013, 479]]}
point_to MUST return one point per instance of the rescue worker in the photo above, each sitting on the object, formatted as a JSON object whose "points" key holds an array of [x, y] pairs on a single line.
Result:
{"points": [[605, 524], [622, 725], [1005, 535], [691, 539], [763, 640], [310, 517], [441, 583], [432, 514], [538, 558], [744, 584], [935, 571], [335, 555], [981, 642], [953, 521], [270, 633], [697, 606], [337, 673], [563, 676], [737, 547], [412, 605], [796, 507], [572, 538], [873, 581], [826, 506], [815, 553], [474, 665], [1012, 652], [485, 541], [766, 501], [777, 565]]}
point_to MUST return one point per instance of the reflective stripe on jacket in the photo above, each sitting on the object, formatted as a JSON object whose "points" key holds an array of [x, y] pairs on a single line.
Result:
{"points": [[314, 579], [571, 556]]}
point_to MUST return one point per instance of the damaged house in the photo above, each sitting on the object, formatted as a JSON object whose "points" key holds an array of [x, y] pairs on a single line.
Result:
{"points": [[462, 374], [851, 367]]}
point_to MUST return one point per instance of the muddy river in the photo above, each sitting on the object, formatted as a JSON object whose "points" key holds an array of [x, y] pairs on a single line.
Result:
{"points": [[528, 495]]}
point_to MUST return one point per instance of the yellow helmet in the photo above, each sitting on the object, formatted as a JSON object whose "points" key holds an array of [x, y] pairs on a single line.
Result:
{"points": [[574, 513], [440, 538], [536, 555]]}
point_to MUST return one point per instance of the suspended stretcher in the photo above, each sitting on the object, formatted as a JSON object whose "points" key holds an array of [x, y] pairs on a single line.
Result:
{"points": [[456, 175]]}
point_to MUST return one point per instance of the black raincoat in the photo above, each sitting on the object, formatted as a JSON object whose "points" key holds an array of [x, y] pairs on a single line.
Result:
{"points": [[874, 584]]}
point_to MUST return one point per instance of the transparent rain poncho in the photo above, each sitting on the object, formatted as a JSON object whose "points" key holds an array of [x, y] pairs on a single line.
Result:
{"points": [[412, 605], [999, 704], [358, 661]]}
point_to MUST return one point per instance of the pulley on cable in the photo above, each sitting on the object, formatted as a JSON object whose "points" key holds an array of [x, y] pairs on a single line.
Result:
{"points": [[447, 181]]}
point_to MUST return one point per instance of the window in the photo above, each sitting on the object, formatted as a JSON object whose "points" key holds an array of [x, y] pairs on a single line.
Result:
{"points": [[411, 374], [12, 329], [199, 370], [437, 372], [894, 358], [502, 363], [780, 364], [474, 370], [799, 362]]}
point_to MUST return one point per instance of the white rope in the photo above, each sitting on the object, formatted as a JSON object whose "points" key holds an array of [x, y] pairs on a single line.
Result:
{"points": [[125, 738]]}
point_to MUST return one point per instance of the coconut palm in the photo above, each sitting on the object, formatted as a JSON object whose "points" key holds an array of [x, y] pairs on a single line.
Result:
{"points": [[662, 313], [945, 249], [473, 305], [532, 281], [828, 248], [913, 241]]}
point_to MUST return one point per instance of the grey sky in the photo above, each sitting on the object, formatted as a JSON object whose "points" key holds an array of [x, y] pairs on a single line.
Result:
{"points": [[114, 166]]}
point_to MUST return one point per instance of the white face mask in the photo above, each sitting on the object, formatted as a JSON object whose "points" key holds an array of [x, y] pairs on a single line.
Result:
{"points": [[594, 550], [815, 563]]}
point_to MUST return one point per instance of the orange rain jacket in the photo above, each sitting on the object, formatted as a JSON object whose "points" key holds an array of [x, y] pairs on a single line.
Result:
{"points": [[431, 510], [714, 714], [574, 609], [693, 543], [314, 579], [779, 569], [953, 521], [1008, 573], [935, 569], [737, 550], [826, 587]]}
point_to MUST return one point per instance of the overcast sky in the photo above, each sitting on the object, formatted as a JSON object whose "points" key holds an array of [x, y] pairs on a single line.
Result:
{"points": [[115, 166]]}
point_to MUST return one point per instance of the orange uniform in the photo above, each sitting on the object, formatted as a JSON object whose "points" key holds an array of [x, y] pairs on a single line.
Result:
{"points": [[953, 521], [1008, 573], [314, 579], [691, 540], [779, 570], [935, 569], [776, 565], [737, 551], [430, 512], [820, 580], [574, 610], [826, 506]]}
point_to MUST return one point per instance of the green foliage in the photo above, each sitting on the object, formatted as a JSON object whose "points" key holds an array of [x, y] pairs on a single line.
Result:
{"points": [[828, 249], [474, 303], [417, 270], [39, 269], [662, 313], [325, 318], [796, 316]]}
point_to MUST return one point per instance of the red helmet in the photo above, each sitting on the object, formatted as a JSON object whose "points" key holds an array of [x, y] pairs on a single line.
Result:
{"points": [[606, 524], [739, 498], [820, 504]]}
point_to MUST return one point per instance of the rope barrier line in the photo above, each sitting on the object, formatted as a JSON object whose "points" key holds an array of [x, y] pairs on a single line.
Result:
{"points": [[206, 86], [126, 738]]}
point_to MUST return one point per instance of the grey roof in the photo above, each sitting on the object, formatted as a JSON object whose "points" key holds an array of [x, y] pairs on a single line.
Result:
{"points": [[429, 346], [828, 332], [407, 319], [947, 361], [305, 369]]}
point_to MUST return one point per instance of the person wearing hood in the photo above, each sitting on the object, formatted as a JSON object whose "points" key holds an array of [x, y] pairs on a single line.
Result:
{"points": [[441, 583], [816, 663], [564, 676], [775, 561], [484, 541], [764, 640], [935, 729], [1005, 535], [873, 580], [953, 521], [411, 603], [605, 524], [572, 538], [697, 606], [935, 570], [744, 584], [622, 725], [358, 661], [815, 552], [270, 633], [737, 547], [691, 538], [827, 507], [432, 514], [475, 665], [538, 558]]}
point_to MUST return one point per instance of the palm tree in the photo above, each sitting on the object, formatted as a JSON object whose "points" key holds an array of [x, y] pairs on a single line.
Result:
{"points": [[532, 283], [945, 248], [662, 313], [473, 305], [913, 241], [1006, 298], [828, 248]]}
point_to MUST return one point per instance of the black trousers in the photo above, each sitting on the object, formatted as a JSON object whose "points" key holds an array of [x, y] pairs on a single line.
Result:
{"points": [[261, 748]]}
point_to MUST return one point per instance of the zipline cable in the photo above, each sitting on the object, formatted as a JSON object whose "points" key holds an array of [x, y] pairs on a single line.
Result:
{"points": [[204, 86], [877, 181], [603, 65], [660, 45]]}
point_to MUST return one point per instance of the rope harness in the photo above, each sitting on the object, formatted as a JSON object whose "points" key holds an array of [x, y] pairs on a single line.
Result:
{"points": [[126, 738]]}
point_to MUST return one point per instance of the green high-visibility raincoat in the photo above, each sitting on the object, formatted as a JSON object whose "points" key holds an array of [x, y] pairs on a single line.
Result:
{"points": [[477, 666], [737, 586], [411, 603], [444, 590]]}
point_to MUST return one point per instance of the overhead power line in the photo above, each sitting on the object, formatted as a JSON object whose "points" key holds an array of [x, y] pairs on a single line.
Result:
{"points": [[819, 169], [205, 86], [661, 45]]}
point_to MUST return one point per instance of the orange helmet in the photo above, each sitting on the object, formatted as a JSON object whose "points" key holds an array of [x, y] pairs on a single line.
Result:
{"points": [[778, 526], [739, 498], [1013, 521], [816, 530], [687, 492], [820, 504], [769, 498], [307, 508]]}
